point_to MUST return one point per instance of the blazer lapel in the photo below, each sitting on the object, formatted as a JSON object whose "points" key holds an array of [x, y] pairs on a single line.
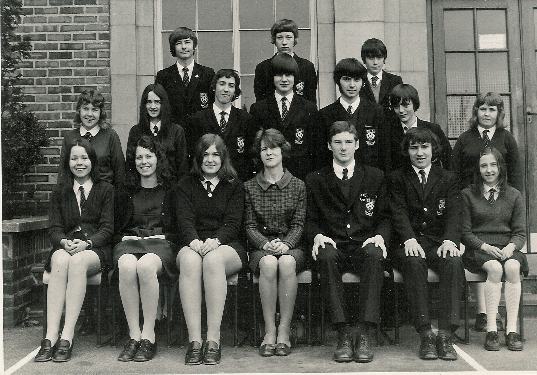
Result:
{"points": [[194, 80], [274, 111], [293, 109], [333, 184], [384, 84], [432, 180], [233, 118], [415, 181], [368, 92]]}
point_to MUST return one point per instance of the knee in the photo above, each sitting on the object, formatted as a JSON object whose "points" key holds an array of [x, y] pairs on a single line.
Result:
{"points": [[512, 270], [188, 262], [326, 256], [494, 270], [373, 253], [60, 260], [414, 264], [268, 267], [126, 265], [454, 263], [213, 263], [77, 264], [287, 265], [146, 268]]}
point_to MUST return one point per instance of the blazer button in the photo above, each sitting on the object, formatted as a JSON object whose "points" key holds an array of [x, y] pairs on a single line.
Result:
{"points": [[348, 211], [425, 209], [348, 226]]}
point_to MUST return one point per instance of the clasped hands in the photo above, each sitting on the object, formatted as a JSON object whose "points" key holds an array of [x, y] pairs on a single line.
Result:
{"points": [[501, 254], [73, 246], [204, 247], [321, 240], [276, 246]]}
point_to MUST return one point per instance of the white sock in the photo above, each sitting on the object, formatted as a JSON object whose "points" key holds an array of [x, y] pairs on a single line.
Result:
{"points": [[493, 292], [512, 300]]}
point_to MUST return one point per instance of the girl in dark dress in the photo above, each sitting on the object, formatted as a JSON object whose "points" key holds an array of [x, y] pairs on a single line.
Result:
{"points": [[144, 250], [81, 226], [209, 209], [494, 232], [275, 211]]}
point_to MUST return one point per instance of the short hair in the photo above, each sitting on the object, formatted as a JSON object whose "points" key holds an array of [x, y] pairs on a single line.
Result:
{"points": [[284, 63], [179, 34], [373, 48], [273, 138], [349, 67], [281, 26], [226, 172], [165, 109], [92, 155], [96, 99], [420, 135], [502, 170], [340, 127], [228, 73], [404, 93], [492, 99], [163, 168]]}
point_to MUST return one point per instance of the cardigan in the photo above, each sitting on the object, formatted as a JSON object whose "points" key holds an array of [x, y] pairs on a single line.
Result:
{"points": [[275, 210], [200, 216], [496, 224]]}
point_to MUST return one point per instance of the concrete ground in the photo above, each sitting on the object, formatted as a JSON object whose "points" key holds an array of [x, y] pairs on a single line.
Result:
{"points": [[402, 358]]}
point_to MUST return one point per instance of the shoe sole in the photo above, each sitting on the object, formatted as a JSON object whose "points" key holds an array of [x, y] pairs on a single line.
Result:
{"points": [[343, 360], [448, 358], [143, 360], [492, 348], [363, 360], [515, 349], [43, 360], [125, 360], [211, 363], [431, 358], [60, 360], [193, 363]]}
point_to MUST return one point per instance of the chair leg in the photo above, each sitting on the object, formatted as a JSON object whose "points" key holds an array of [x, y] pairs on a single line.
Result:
{"points": [[254, 306], [114, 317], [309, 314], [466, 324], [236, 315], [322, 315], [169, 313], [521, 309], [99, 315], [396, 313], [45, 286]]}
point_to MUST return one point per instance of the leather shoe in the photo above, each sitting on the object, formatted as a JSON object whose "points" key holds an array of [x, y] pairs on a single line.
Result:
{"points": [[427, 346], [212, 353], [343, 352], [87, 326], [46, 351], [514, 342], [63, 351], [444, 347], [129, 351], [146, 351], [267, 350], [282, 349], [194, 354], [362, 349], [492, 343]]}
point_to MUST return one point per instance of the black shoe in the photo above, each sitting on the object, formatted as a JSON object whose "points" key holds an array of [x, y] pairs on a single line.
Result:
{"points": [[282, 349], [514, 342], [362, 349], [499, 323], [146, 351], [428, 346], [267, 350], [212, 353], [492, 343], [480, 324], [343, 352], [444, 347], [87, 326], [129, 351], [194, 354], [46, 351], [63, 351]]}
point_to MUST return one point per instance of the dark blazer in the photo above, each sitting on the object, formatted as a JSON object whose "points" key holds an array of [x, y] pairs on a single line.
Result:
{"points": [[434, 214], [305, 83], [238, 136], [187, 100], [364, 215], [398, 160], [367, 117], [389, 81], [96, 221], [300, 128]]}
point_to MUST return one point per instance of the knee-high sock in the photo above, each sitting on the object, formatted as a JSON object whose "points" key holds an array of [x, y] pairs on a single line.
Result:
{"points": [[512, 300], [493, 292]]}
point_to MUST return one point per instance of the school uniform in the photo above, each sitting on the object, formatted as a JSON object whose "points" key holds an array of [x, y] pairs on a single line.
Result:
{"points": [[305, 83], [238, 134], [397, 133], [187, 100], [300, 128], [430, 214], [373, 132], [349, 211], [380, 94]]}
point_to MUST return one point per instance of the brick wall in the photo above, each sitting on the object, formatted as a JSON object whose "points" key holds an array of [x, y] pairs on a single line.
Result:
{"points": [[71, 53]]}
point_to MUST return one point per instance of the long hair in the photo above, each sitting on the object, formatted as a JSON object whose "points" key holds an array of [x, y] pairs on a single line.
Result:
{"points": [[86, 145], [492, 99], [404, 93], [96, 99], [502, 171], [163, 168], [226, 172], [273, 138], [165, 110]]}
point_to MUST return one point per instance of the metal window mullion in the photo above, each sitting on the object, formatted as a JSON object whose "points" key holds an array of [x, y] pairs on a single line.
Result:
{"points": [[236, 41], [157, 34]]}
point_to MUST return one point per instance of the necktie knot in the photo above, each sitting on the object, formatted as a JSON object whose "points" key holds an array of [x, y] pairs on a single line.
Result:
{"points": [[405, 128], [285, 110], [155, 130], [345, 174], [486, 137], [88, 136], [374, 81], [491, 196], [349, 110], [223, 122], [186, 78]]}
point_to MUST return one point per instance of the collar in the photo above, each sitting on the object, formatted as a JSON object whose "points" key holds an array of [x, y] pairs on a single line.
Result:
{"points": [[338, 169], [491, 131], [190, 68], [158, 125], [279, 98], [214, 181], [217, 111], [281, 184], [93, 131], [427, 170], [87, 187], [487, 188], [346, 104], [412, 125], [369, 76]]}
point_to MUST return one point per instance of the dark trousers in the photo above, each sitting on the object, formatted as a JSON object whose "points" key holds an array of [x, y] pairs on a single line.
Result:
{"points": [[367, 262], [451, 274]]}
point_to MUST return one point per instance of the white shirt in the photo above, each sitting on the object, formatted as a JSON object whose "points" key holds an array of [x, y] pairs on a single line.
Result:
{"points": [[490, 133], [486, 191], [379, 75], [409, 126], [214, 181], [190, 68], [346, 104], [152, 127], [338, 169], [87, 188], [93, 131], [427, 170], [217, 112], [279, 100]]}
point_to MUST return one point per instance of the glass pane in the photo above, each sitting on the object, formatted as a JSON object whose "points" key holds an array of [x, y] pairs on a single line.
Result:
{"points": [[296, 10], [256, 14], [459, 30], [247, 88], [215, 49], [460, 73], [178, 13], [459, 112], [255, 47], [507, 105], [491, 29], [493, 72], [214, 15], [167, 58], [302, 48]]}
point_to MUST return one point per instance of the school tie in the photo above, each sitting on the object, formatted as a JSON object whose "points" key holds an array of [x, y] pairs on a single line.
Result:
{"points": [[209, 191], [82, 198], [374, 80], [405, 129], [223, 122], [285, 110], [88, 136], [155, 130], [349, 110], [486, 138], [491, 199], [186, 78], [345, 174], [423, 179]]}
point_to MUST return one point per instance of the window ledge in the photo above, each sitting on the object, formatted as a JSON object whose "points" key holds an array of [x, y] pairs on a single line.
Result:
{"points": [[25, 224]]}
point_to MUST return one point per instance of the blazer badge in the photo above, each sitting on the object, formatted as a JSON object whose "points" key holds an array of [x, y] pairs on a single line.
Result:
{"points": [[240, 145], [299, 88], [370, 136], [204, 99], [441, 206], [299, 136], [369, 203]]}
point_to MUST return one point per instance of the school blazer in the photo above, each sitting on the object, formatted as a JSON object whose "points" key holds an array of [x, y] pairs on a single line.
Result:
{"points": [[389, 81], [238, 136], [187, 100], [364, 215], [300, 128], [305, 83], [434, 213]]}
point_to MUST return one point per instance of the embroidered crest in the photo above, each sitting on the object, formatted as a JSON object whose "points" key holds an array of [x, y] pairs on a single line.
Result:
{"points": [[240, 145], [204, 99], [370, 201], [299, 88], [441, 207], [370, 136], [299, 136]]}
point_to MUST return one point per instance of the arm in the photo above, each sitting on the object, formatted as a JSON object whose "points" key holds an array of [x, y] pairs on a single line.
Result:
{"points": [[118, 160], [123, 210], [518, 223], [61, 177], [514, 172], [185, 213], [313, 214], [261, 90], [296, 227], [310, 92], [253, 234], [231, 223], [469, 239], [181, 153], [105, 230], [452, 230], [169, 219], [385, 142], [456, 161], [445, 156], [130, 165], [399, 209], [57, 229], [383, 213]]}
